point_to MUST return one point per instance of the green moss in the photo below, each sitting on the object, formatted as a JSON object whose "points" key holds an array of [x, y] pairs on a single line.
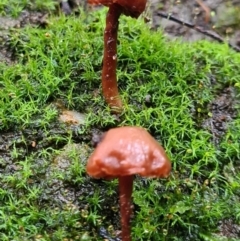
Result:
{"points": [[166, 87], [14, 8]]}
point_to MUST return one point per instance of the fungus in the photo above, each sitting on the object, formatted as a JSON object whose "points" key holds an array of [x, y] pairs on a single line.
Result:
{"points": [[109, 78], [122, 153]]}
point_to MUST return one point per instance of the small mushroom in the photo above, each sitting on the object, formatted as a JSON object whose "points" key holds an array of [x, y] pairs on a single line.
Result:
{"points": [[131, 8], [122, 153]]}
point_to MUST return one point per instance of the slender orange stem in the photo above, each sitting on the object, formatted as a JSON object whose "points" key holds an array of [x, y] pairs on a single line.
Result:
{"points": [[109, 76], [125, 192], [206, 9]]}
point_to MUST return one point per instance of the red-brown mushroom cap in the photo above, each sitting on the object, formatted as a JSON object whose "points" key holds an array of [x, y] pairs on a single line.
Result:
{"points": [[131, 8], [127, 151]]}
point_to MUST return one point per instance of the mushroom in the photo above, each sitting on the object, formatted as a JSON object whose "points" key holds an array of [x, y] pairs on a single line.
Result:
{"points": [[122, 153], [131, 8]]}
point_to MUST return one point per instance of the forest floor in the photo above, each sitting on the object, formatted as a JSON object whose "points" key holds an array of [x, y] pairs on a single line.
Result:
{"points": [[34, 146]]}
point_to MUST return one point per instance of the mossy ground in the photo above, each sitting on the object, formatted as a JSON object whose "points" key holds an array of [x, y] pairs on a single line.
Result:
{"points": [[167, 87]]}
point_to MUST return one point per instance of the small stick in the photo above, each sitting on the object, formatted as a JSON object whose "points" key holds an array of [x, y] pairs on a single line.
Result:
{"points": [[208, 33]]}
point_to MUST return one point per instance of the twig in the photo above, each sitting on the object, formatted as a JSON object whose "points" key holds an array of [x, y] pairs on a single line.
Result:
{"points": [[208, 33]]}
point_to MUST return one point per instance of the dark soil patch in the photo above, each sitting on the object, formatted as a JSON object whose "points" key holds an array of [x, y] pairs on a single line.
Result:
{"points": [[221, 19], [223, 111], [229, 229]]}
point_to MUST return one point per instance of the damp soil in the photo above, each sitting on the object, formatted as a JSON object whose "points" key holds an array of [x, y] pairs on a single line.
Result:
{"points": [[32, 141]]}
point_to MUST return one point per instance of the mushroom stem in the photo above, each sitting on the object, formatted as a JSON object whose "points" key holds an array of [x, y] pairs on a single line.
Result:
{"points": [[125, 192], [109, 76]]}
